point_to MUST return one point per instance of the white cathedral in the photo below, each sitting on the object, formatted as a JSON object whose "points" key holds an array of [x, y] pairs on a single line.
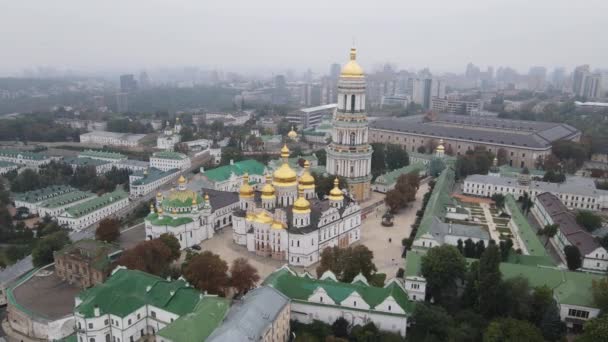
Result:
{"points": [[170, 136]]}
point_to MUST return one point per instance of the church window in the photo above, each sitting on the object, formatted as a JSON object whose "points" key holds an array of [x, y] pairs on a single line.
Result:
{"points": [[352, 138], [298, 243], [345, 97], [389, 308], [352, 103]]}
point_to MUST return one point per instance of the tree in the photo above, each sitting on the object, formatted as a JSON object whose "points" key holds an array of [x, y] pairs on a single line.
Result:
{"points": [[431, 323], [573, 257], [502, 156], [171, 241], [42, 254], [499, 200], [599, 290], [509, 329], [549, 231], [542, 298], [347, 263], [394, 200], [378, 159], [551, 325], [441, 267], [489, 282], [552, 177], [469, 248], [108, 230], [480, 247], [243, 276], [519, 294], [324, 183], [396, 157], [207, 272], [551, 164], [589, 220], [340, 327], [231, 154], [321, 156], [470, 295], [505, 247], [151, 256], [595, 330]]}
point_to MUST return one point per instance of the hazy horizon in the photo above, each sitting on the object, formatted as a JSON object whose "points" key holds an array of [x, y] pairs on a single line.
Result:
{"points": [[276, 35]]}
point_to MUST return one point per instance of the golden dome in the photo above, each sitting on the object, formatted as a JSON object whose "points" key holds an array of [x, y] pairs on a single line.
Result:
{"points": [[250, 216], [277, 225], [174, 211], [181, 180], [284, 176], [194, 201], [440, 146], [158, 194], [292, 134], [285, 152], [160, 210], [264, 218], [301, 205], [206, 197], [246, 189], [268, 189], [352, 68], [336, 194], [307, 181], [151, 207]]}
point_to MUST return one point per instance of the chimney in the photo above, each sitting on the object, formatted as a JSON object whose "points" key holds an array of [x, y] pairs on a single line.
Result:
{"points": [[231, 161], [96, 311]]}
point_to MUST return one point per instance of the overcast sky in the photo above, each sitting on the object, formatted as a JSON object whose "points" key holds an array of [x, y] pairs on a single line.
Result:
{"points": [[249, 34]]}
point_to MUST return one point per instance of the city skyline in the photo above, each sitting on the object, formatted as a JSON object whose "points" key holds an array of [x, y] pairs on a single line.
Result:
{"points": [[411, 35]]}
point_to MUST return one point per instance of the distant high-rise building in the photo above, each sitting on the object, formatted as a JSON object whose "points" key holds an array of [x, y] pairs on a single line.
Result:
{"points": [[144, 80], [128, 83], [98, 102], [558, 77], [280, 93], [578, 77], [592, 86], [122, 102], [334, 71], [537, 77], [423, 90]]}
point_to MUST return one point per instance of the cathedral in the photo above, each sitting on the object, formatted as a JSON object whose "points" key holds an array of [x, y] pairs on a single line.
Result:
{"points": [[286, 221], [349, 154]]}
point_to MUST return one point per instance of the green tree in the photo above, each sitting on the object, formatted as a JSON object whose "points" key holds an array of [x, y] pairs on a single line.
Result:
{"points": [[321, 156], [151, 256], [542, 299], [378, 159], [108, 230], [505, 246], [595, 330], [551, 325], [340, 327], [508, 329], [599, 290], [489, 282], [470, 295], [469, 248], [430, 323], [396, 157], [442, 267], [174, 246], [231, 154], [499, 200], [588, 220], [549, 231], [573, 257], [42, 254], [519, 294], [347, 263]]}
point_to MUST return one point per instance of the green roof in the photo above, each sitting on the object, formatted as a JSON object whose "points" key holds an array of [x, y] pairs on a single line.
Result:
{"points": [[24, 154], [85, 161], [510, 171], [526, 232], [101, 154], [413, 264], [440, 198], [152, 175], [302, 287], [96, 203], [222, 173], [170, 155], [167, 220], [39, 195], [198, 325], [128, 290], [66, 199], [391, 177], [6, 164]]}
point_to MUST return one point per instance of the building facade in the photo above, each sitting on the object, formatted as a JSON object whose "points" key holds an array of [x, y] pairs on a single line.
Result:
{"points": [[34, 198], [82, 215], [112, 157], [111, 138], [148, 180], [167, 160], [230, 177], [349, 154], [285, 220], [170, 137], [85, 263], [57, 205], [24, 158], [311, 117], [442, 105]]}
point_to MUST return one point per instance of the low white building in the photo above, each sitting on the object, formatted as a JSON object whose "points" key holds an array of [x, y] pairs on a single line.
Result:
{"points": [[30, 159], [57, 205], [441, 233], [575, 192], [33, 199], [101, 166], [112, 157], [170, 137], [132, 165], [83, 215], [548, 209], [167, 160], [148, 180], [326, 299], [133, 305], [230, 177], [199, 145], [111, 138], [6, 167]]}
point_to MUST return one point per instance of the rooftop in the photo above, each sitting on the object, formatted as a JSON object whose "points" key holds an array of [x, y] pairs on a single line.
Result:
{"points": [[98, 253], [85, 161], [121, 136], [66, 199], [169, 155], [250, 317], [39, 195], [42, 294], [527, 234], [6, 164], [101, 154], [24, 154], [198, 325], [223, 173], [96, 203], [533, 134], [153, 175], [319, 108], [391, 177], [439, 230]]}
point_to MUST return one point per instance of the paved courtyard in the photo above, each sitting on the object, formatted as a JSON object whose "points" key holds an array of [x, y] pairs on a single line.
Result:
{"points": [[387, 255]]}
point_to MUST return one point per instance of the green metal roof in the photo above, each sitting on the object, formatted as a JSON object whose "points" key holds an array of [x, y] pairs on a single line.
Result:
{"points": [[512, 172], [440, 198], [66, 199], [6, 164], [413, 264], [102, 154], [128, 290], [167, 220], [96, 203], [85, 161], [199, 324], [527, 234], [301, 288], [152, 175], [170, 155], [222, 173], [39, 195], [391, 177], [24, 154]]}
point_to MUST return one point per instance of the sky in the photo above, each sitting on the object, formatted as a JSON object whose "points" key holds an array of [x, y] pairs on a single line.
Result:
{"points": [[271, 34]]}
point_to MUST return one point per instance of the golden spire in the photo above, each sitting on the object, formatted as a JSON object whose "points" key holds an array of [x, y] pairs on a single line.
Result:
{"points": [[268, 190], [194, 203], [285, 152], [181, 180], [352, 68], [336, 194], [246, 190], [158, 194], [301, 205], [292, 134], [206, 197], [307, 181], [440, 147]]}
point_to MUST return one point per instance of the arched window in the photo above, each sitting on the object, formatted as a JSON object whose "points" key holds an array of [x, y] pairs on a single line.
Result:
{"points": [[352, 103], [352, 138], [345, 106]]}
